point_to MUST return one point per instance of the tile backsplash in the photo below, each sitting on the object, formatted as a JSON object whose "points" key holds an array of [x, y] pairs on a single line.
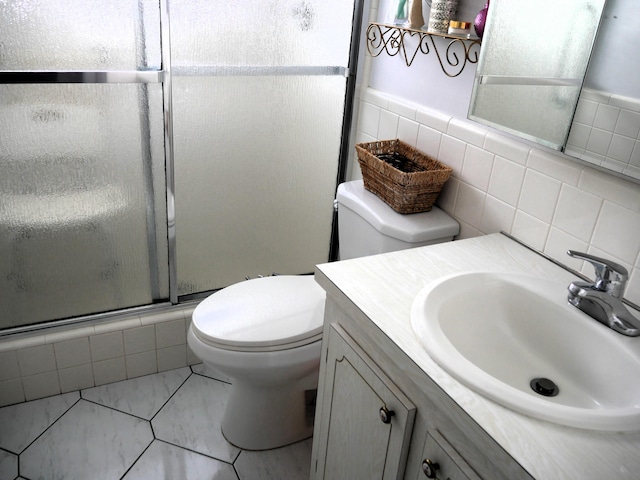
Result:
{"points": [[606, 131], [499, 183]]}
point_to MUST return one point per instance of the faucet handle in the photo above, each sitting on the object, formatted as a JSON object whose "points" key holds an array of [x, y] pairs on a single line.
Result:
{"points": [[611, 277]]}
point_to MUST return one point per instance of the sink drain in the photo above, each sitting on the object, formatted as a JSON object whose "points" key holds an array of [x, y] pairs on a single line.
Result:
{"points": [[544, 386]]}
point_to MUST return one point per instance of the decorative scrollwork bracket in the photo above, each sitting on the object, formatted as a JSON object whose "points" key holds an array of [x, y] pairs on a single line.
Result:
{"points": [[393, 40]]}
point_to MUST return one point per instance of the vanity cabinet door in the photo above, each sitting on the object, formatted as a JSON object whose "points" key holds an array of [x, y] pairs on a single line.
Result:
{"points": [[366, 421], [442, 462]]}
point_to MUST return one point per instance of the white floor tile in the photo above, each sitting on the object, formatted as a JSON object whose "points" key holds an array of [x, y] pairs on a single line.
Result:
{"points": [[291, 462], [143, 396], [191, 419], [22, 423], [164, 461], [8, 465], [89, 441]]}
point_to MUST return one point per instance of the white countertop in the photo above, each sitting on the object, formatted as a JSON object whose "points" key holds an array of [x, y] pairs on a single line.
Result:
{"points": [[383, 287]]}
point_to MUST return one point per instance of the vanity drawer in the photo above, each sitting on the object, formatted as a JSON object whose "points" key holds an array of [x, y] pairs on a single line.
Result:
{"points": [[441, 461]]}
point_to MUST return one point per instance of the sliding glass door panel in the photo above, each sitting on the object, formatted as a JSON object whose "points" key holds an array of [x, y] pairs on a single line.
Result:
{"points": [[259, 32], [256, 165], [74, 203], [79, 34]]}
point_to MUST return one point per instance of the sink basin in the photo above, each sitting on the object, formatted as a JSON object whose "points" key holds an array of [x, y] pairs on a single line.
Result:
{"points": [[504, 335]]}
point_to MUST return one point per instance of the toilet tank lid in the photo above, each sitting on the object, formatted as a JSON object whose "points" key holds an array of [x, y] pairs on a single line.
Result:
{"points": [[412, 228], [262, 312]]}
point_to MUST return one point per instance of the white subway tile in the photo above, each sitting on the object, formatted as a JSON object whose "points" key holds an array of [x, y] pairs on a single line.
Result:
{"points": [[554, 165], [530, 230], [467, 231], [606, 117], [447, 198], [469, 205], [408, 131], [433, 118], [428, 141], [404, 109], [76, 378], [539, 195], [477, 166], [172, 357], [106, 346], [558, 242], [507, 148], [24, 342], [506, 181], [621, 148], [140, 364], [467, 132], [599, 141], [452, 153], [118, 325], [41, 385], [163, 316], [497, 216], [632, 291], [69, 333], [376, 97], [388, 127], [628, 124], [586, 111], [577, 212], [141, 339], [9, 368], [627, 103], [36, 360], [72, 352], [369, 119], [618, 232], [614, 189], [171, 333], [11, 391], [579, 136], [109, 371]]}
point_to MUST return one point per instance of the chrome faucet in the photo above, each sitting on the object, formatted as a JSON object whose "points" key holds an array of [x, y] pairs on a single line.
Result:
{"points": [[602, 300]]}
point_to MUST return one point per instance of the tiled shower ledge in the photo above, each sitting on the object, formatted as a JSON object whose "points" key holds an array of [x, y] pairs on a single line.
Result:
{"points": [[66, 359]]}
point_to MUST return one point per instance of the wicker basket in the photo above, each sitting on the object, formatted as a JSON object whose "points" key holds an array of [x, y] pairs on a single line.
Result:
{"points": [[406, 179]]}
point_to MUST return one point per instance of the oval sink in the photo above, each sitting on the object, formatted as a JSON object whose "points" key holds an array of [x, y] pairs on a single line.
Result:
{"points": [[504, 335]]}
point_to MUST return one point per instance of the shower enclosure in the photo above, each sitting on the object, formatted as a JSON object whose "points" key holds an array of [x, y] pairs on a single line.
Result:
{"points": [[152, 151]]}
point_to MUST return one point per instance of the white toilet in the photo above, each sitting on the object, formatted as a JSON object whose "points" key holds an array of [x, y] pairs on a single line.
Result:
{"points": [[264, 334]]}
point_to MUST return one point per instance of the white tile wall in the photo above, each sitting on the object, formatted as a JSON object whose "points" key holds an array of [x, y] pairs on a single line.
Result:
{"points": [[66, 359], [499, 183], [606, 131]]}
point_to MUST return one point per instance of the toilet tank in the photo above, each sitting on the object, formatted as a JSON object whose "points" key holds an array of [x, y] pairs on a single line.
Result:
{"points": [[368, 226]]}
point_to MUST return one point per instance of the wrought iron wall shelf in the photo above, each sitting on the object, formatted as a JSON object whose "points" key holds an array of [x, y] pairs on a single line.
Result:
{"points": [[393, 39]]}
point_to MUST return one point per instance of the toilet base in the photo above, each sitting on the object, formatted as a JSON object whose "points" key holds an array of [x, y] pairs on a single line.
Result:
{"points": [[262, 418]]}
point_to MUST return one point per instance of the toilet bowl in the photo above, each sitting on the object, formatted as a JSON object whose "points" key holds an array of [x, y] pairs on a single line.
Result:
{"points": [[265, 334]]}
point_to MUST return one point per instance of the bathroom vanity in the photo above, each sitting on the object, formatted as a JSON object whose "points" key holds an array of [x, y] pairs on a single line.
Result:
{"points": [[386, 409]]}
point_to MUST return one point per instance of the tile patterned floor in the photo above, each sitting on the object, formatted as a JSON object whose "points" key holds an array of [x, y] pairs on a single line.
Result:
{"points": [[163, 426]]}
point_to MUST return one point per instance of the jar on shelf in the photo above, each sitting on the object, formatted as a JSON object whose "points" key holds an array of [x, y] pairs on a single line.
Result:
{"points": [[442, 12]]}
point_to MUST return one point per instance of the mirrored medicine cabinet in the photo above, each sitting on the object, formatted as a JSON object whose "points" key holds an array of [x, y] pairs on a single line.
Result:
{"points": [[564, 75]]}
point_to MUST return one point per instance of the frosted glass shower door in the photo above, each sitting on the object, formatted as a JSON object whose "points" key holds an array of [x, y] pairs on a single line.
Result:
{"points": [[258, 98], [82, 189]]}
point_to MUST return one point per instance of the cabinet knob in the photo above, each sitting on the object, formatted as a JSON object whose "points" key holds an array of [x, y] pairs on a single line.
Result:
{"points": [[429, 468], [386, 414]]}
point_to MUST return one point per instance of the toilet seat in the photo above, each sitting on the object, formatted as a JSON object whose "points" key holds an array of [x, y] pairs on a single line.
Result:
{"points": [[262, 314]]}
